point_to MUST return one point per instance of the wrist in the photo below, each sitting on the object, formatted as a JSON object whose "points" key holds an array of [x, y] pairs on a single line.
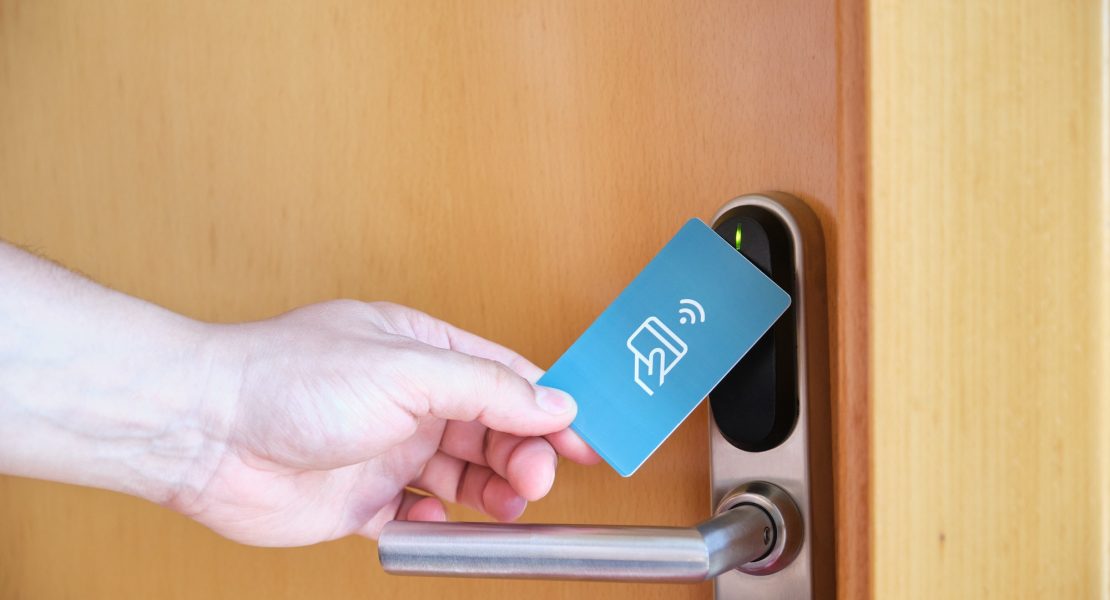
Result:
{"points": [[153, 411], [197, 429], [101, 389]]}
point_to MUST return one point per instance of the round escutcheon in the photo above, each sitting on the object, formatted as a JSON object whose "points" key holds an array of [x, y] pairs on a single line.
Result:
{"points": [[787, 519]]}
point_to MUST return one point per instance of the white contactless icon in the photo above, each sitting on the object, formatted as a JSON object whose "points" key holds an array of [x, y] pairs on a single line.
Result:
{"points": [[657, 349]]}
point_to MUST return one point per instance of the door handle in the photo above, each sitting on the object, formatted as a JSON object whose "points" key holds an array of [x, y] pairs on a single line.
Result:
{"points": [[757, 530]]}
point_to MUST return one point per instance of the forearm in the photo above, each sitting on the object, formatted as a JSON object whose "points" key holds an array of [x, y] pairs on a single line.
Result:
{"points": [[96, 388]]}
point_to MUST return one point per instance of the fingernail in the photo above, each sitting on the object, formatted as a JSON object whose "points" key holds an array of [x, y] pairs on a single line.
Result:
{"points": [[516, 506], [554, 469], [554, 401]]}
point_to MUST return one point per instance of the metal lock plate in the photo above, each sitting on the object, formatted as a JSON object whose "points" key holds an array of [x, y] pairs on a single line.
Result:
{"points": [[799, 459]]}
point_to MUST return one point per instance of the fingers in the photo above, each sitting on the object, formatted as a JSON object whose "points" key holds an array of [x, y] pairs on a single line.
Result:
{"points": [[465, 440], [421, 508], [472, 485], [464, 443], [528, 464], [492, 456], [469, 441], [456, 386], [523, 465], [567, 443], [405, 506]]}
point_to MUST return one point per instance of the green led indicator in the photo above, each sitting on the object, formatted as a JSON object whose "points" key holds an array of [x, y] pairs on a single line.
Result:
{"points": [[739, 236]]}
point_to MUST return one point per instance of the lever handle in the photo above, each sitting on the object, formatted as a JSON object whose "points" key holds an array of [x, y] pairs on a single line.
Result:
{"points": [[750, 530]]}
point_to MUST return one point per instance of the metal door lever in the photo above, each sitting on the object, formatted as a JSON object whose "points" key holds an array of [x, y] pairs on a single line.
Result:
{"points": [[757, 530]]}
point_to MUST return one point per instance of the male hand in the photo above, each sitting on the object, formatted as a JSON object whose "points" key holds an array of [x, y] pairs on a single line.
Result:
{"points": [[324, 417]]}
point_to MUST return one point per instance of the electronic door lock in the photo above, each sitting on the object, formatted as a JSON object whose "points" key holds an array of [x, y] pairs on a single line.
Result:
{"points": [[771, 536], [769, 417]]}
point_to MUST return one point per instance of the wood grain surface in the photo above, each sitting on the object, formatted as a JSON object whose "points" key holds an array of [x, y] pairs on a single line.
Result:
{"points": [[507, 166], [990, 249], [852, 440]]}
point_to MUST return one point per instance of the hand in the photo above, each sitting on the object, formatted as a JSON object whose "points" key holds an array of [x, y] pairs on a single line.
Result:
{"points": [[325, 415], [295, 430]]}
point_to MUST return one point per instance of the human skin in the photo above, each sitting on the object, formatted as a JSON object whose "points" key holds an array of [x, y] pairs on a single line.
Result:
{"points": [[306, 427]]}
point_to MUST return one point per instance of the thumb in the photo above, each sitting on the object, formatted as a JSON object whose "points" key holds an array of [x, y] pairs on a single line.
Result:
{"points": [[461, 387]]}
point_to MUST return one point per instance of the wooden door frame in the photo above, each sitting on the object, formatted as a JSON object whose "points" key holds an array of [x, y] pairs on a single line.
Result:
{"points": [[850, 309]]}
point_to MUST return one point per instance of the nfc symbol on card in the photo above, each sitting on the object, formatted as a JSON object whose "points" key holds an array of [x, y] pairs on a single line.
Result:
{"points": [[657, 349]]}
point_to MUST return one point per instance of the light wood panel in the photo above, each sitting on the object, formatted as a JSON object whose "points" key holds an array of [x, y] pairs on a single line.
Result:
{"points": [[507, 166], [989, 262]]}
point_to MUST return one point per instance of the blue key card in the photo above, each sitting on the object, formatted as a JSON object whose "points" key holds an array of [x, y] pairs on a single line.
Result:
{"points": [[643, 366]]}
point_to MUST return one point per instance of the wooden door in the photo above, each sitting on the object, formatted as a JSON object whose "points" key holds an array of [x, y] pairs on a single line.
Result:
{"points": [[509, 166]]}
